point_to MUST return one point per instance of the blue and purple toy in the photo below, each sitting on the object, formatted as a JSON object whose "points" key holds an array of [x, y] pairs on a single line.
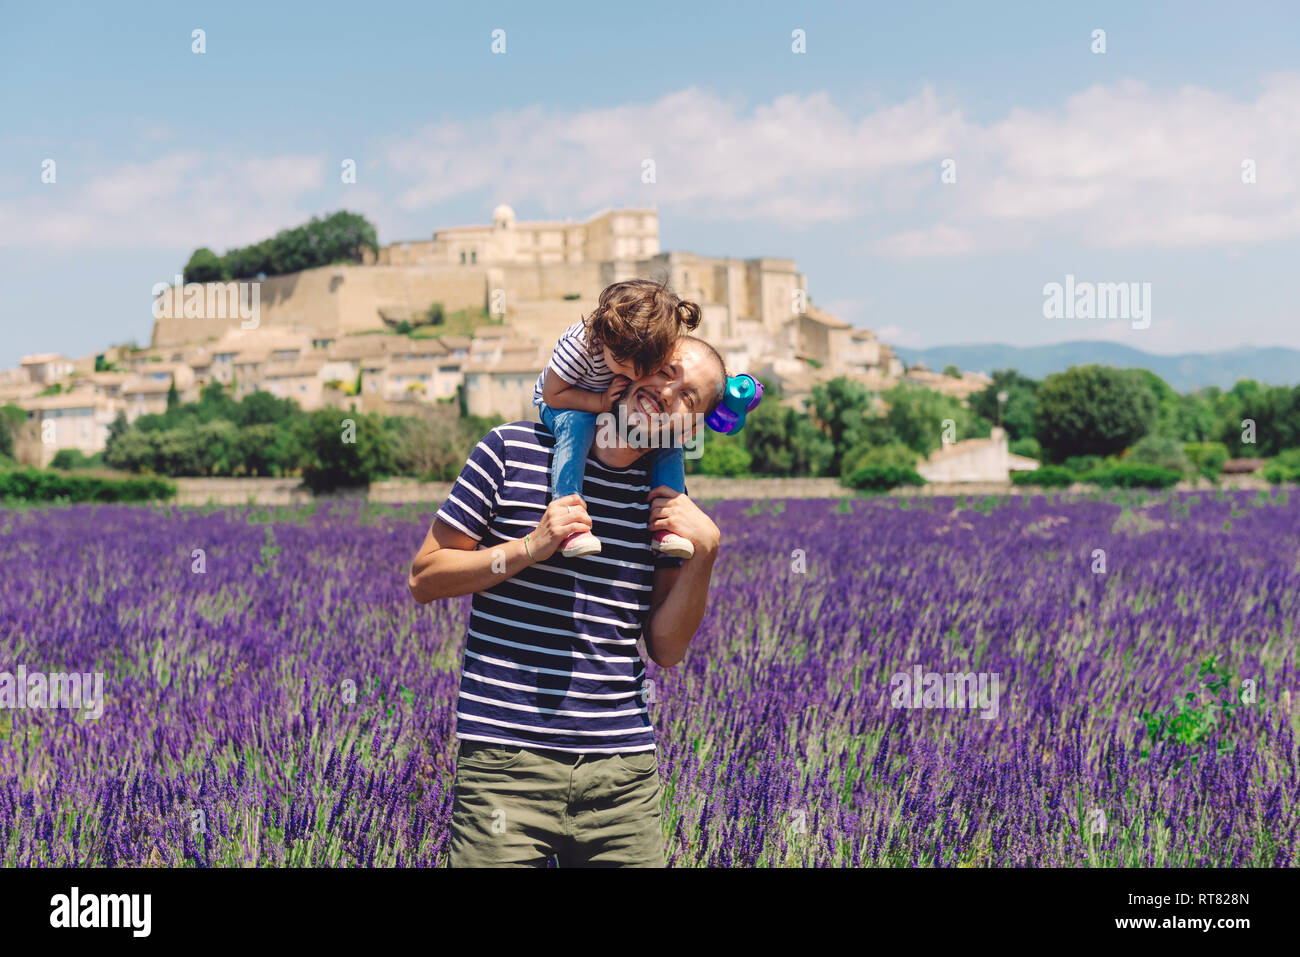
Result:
{"points": [[743, 394]]}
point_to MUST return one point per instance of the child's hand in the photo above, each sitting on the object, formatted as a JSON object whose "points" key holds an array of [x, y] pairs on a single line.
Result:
{"points": [[615, 392]]}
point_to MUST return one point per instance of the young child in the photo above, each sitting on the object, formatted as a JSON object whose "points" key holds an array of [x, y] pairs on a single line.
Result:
{"points": [[631, 333]]}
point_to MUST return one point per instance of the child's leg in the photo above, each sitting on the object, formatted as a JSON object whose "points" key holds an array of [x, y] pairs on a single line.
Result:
{"points": [[574, 431], [669, 468]]}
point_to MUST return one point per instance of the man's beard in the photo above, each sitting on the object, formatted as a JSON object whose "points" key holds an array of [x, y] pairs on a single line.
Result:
{"points": [[638, 420]]}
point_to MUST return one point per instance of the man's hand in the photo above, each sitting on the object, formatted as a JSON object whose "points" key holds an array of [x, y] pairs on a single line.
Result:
{"points": [[615, 392], [562, 518], [674, 511]]}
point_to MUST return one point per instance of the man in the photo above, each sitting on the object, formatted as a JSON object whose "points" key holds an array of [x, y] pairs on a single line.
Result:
{"points": [[556, 755]]}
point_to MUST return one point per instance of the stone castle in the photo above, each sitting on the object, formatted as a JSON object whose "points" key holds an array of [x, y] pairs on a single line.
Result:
{"points": [[318, 332]]}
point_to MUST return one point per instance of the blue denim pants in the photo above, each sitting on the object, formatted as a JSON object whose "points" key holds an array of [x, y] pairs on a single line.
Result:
{"points": [[574, 431]]}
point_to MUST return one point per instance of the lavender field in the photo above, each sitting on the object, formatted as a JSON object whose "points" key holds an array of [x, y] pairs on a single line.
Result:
{"points": [[291, 705]]}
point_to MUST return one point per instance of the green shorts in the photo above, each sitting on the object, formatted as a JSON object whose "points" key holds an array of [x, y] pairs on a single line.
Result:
{"points": [[520, 807]]}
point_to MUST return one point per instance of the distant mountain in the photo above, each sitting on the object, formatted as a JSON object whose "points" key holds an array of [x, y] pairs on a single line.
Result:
{"points": [[1191, 370]]}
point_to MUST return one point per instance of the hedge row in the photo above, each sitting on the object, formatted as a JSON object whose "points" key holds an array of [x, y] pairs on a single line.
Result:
{"points": [[37, 485], [1115, 476]]}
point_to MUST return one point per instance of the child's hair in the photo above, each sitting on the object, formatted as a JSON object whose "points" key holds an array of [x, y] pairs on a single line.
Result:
{"points": [[640, 320]]}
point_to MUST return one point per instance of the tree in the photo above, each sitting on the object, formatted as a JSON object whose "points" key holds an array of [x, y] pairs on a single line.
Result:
{"points": [[1017, 411], [1195, 419], [205, 266], [951, 371], [11, 418], [1163, 451], [783, 441], [1274, 412], [724, 455], [1167, 402], [917, 415], [844, 408], [890, 455], [173, 396], [263, 408], [1093, 410], [341, 449]]}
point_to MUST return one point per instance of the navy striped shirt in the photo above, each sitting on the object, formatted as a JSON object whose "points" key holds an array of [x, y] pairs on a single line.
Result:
{"points": [[551, 658], [574, 363]]}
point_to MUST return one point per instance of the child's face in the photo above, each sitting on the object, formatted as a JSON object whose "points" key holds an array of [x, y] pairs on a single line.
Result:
{"points": [[620, 368]]}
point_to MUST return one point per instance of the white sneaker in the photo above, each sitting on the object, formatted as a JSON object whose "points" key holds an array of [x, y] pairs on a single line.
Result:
{"points": [[671, 544], [579, 544]]}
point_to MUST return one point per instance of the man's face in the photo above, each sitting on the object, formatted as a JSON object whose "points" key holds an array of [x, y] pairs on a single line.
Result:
{"points": [[675, 396]]}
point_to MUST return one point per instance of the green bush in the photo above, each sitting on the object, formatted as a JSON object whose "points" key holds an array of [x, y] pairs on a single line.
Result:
{"points": [[1132, 476], [68, 459], [1206, 457], [1045, 476], [1162, 451], [722, 457], [1028, 447], [891, 454], [37, 485], [1082, 464], [343, 449], [881, 478], [1285, 467]]}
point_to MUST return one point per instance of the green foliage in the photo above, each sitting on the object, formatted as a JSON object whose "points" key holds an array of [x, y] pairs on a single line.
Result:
{"points": [[69, 459], [1045, 476], [844, 409], [1207, 458], [38, 485], [1284, 468], [1020, 410], [1093, 410], [205, 266], [336, 456], [11, 418], [340, 237], [1275, 410], [1028, 447], [724, 455], [1198, 714], [1132, 476], [435, 451], [891, 454], [783, 441], [952, 372], [916, 416], [1163, 451], [881, 478]]}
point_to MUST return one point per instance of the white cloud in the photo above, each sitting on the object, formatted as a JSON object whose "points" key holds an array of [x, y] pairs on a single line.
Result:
{"points": [[178, 199], [1114, 166]]}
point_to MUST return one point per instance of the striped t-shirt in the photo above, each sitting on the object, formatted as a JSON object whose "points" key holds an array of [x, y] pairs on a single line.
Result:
{"points": [[551, 658], [574, 363]]}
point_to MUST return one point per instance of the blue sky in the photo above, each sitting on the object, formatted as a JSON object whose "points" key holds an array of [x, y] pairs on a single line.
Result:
{"points": [[1114, 167]]}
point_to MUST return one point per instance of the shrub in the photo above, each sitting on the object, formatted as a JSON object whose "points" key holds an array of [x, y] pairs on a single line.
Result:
{"points": [[1082, 464], [37, 485], [1206, 457], [342, 449], [1132, 476], [1045, 476], [1028, 447], [721, 457], [1285, 467], [68, 459], [1162, 451], [881, 478], [892, 454]]}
